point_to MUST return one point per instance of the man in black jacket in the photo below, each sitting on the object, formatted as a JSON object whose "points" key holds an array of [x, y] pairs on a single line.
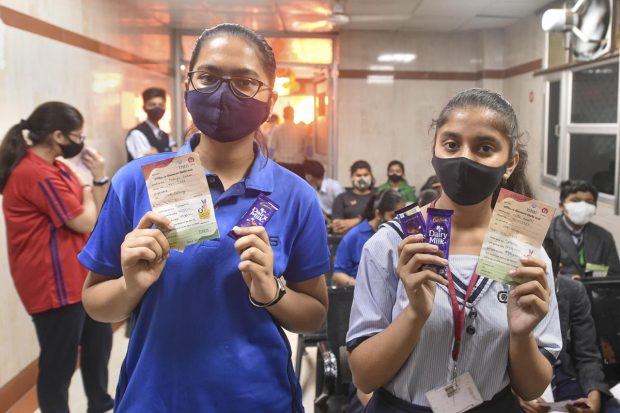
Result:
{"points": [[578, 372], [583, 244]]}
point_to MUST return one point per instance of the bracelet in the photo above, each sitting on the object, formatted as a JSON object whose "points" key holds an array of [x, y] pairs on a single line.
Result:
{"points": [[279, 294], [102, 181]]}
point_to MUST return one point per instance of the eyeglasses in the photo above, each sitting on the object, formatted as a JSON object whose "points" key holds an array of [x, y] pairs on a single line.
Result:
{"points": [[82, 138], [242, 87]]}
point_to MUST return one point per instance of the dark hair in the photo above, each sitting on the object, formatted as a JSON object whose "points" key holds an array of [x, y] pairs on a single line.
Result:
{"points": [[384, 201], [505, 122], [314, 168], [427, 196], [46, 119], [153, 92], [264, 51], [395, 162], [570, 187], [430, 182], [554, 253], [360, 165], [288, 113]]}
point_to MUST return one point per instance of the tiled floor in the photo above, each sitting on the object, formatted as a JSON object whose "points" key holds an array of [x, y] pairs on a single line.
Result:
{"points": [[78, 402]]}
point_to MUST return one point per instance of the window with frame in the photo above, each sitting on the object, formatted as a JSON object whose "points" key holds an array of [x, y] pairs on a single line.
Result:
{"points": [[581, 135]]}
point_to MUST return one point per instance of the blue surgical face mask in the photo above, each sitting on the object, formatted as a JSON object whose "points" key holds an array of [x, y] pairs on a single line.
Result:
{"points": [[223, 116]]}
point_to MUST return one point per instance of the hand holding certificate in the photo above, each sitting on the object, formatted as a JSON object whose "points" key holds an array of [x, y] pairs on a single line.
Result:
{"points": [[178, 189], [517, 229]]}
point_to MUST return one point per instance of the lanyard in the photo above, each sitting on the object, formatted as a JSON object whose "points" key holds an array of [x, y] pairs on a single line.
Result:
{"points": [[458, 312]]}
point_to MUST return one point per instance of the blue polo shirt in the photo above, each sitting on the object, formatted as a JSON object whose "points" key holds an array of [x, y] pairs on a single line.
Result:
{"points": [[198, 344], [349, 252]]}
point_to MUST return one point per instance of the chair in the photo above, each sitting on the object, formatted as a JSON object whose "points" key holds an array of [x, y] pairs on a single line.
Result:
{"points": [[604, 294], [312, 339], [333, 372]]}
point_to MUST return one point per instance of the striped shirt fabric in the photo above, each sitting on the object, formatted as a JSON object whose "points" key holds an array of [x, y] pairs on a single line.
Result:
{"points": [[38, 201], [380, 297]]}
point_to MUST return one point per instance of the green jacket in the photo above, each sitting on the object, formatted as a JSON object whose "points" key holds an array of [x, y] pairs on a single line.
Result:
{"points": [[406, 191]]}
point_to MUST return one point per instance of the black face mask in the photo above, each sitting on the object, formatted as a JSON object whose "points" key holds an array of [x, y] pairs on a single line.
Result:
{"points": [[155, 114], [395, 178], [72, 149], [467, 182]]}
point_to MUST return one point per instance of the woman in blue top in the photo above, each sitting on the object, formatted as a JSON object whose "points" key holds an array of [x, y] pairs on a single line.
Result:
{"points": [[380, 209], [199, 344]]}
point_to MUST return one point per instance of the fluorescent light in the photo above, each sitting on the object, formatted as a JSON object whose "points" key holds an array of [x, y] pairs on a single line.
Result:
{"points": [[381, 68], [379, 79], [396, 58]]}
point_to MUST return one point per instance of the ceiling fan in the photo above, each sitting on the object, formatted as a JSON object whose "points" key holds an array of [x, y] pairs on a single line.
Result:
{"points": [[587, 25], [337, 17]]}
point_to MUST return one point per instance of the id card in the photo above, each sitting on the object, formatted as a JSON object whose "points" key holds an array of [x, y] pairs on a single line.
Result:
{"points": [[518, 227], [178, 189], [457, 397], [597, 270]]}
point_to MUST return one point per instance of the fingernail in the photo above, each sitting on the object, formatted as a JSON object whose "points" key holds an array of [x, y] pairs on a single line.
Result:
{"points": [[236, 228], [513, 272], [445, 262]]}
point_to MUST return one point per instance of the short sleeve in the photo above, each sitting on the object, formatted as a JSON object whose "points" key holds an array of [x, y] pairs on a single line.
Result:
{"points": [[309, 256], [375, 287], [338, 207], [102, 253], [137, 144], [547, 333], [55, 198], [343, 261]]}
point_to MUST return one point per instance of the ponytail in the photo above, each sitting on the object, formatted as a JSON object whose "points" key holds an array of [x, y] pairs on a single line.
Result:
{"points": [[12, 150], [44, 120]]}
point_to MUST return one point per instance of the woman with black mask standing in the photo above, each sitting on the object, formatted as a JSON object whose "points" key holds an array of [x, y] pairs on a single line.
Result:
{"points": [[208, 321], [49, 214], [405, 318]]}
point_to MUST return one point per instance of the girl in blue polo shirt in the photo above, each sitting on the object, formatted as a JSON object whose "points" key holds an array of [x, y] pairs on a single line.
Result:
{"points": [[380, 209], [208, 321]]}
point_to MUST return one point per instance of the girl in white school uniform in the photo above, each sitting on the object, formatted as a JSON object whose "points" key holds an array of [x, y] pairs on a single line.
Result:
{"points": [[404, 318]]}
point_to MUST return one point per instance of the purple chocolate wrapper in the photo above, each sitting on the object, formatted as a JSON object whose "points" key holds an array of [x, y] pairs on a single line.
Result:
{"points": [[259, 214], [411, 220], [438, 224]]}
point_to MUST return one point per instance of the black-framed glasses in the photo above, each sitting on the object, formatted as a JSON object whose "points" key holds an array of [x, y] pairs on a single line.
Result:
{"points": [[242, 87]]}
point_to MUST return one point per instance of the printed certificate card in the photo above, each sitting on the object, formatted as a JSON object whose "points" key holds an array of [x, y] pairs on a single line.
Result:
{"points": [[178, 189], [517, 229]]}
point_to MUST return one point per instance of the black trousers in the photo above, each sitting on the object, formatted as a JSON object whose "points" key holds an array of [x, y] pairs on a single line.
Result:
{"points": [[384, 402], [61, 332]]}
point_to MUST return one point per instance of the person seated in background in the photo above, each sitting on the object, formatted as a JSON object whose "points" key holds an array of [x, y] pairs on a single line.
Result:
{"points": [[427, 196], [582, 243], [432, 183], [397, 182], [578, 373], [326, 189], [147, 138], [349, 206], [380, 208]]}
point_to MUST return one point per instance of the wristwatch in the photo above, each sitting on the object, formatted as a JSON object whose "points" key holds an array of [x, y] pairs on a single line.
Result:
{"points": [[281, 291], [102, 181]]}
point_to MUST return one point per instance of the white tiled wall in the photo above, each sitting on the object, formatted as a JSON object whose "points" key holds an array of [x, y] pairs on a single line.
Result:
{"points": [[37, 70]]}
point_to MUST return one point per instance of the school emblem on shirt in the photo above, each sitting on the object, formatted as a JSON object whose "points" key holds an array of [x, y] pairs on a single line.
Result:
{"points": [[502, 297], [354, 202]]}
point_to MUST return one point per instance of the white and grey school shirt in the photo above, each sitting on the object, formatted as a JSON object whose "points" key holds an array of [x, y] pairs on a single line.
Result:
{"points": [[380, 297]]}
